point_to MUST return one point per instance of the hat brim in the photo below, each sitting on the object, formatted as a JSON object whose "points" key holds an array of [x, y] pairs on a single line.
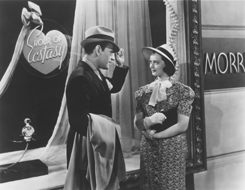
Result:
{"points": [[147, 52], [92, 40]]}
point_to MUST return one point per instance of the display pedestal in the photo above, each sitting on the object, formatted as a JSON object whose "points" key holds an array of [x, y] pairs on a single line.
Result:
{"points": [[23, 170]]}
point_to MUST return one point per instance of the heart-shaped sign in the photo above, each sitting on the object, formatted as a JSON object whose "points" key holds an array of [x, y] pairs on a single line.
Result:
{"points": [[43, 52]]}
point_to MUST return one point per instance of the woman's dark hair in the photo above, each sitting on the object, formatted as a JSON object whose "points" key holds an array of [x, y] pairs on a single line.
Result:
{"points": [[169, 69], [89, 48]]}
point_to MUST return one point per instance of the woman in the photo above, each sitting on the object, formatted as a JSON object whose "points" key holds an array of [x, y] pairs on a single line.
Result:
{"points": [[163, 144]]}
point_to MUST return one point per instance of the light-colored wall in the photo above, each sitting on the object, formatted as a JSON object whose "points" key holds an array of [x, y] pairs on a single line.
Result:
{"points": [[223, 12], [225, 172], [225, 141], [225, 121], [225, 108]]}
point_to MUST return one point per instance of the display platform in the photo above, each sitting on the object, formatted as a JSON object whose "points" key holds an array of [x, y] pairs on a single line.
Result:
{"points": [[22, 170], [55, 179]]}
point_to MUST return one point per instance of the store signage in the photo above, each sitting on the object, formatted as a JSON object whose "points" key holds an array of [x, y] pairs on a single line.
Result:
{"points": [[45, 53], [223, 63]]}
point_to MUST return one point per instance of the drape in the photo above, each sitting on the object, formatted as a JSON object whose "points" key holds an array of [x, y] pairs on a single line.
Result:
{"points": [[6, 79], [26, 18], [130, 21]]}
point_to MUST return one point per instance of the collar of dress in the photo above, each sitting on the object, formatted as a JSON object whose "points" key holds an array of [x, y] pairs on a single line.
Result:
{"points": [[158, 91]]}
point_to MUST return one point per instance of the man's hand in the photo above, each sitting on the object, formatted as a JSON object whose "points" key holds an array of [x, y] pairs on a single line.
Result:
{"points": [[119, 56]]}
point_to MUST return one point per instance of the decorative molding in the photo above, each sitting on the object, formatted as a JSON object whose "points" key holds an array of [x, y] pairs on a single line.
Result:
{"points": [[223, 33], [197, 159], [222, 27], [226, 90], [236, 154]]}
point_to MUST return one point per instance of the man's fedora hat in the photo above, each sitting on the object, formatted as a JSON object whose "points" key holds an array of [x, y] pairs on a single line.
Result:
{"points": [[99, 34], [165, 50]]}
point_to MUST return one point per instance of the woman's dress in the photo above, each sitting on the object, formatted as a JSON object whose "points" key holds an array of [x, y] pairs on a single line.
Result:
{"points": [[163, 161]]}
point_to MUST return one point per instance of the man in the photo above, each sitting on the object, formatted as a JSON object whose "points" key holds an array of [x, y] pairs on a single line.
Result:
{"points": [[88, 91]]}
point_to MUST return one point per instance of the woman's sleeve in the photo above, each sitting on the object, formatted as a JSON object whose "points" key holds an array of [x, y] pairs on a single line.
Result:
{"points": [[186, 99]]}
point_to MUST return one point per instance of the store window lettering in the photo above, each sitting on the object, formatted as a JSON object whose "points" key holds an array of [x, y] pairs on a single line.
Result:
{"points": [[41, 42], [45, 52], [224, 63]]}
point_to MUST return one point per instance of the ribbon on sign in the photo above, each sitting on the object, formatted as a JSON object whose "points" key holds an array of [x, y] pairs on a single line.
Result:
{"points": [[26, 17]]}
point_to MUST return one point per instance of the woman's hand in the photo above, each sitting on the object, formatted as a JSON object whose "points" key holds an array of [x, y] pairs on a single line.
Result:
{"points": [[156, 118], [145, 123], [178, 128], [149, 134]]}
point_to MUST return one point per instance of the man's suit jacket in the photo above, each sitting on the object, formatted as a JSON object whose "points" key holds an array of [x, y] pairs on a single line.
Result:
{"points": [[86, 93]]}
